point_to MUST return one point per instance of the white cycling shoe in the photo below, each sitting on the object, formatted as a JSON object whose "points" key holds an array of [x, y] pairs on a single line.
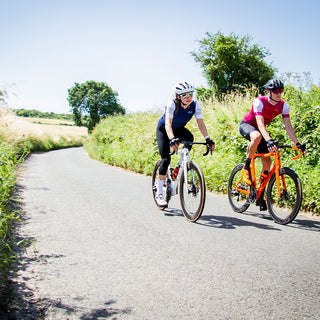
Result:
{"points": [[161, 201]]}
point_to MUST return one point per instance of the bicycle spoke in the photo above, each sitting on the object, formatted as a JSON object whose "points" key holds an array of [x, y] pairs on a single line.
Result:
{"points": [[285, 208], [238, 191], [192, 192]]}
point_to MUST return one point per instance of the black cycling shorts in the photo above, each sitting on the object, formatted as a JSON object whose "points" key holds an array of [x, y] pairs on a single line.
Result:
{"points": [[164, 145], [246, 129]]}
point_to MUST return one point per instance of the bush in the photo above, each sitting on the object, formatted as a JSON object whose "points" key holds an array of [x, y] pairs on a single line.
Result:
{"points": [[8, 163], [129, 141]]}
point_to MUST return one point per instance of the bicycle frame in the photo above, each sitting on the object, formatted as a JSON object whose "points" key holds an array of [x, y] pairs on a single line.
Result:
{"points": [[275, 169], [185, 159], [189, 183]]}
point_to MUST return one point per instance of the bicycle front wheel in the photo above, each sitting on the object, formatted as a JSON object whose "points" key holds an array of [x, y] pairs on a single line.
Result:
{"points": [[192, 192], [285, 208], [238, 190]]}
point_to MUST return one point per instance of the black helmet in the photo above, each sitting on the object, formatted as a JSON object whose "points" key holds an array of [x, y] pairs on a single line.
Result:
{"points": [[274, 84]]}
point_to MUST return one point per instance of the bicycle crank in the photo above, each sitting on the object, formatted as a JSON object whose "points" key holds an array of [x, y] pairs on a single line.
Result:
{"points": [[252, 195]]}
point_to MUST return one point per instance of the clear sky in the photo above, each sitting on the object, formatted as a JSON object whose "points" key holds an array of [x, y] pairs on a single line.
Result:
{"points": [[139, 48]]}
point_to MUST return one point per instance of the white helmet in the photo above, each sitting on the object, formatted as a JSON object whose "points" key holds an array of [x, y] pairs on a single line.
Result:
{"points": [[184, 87]]}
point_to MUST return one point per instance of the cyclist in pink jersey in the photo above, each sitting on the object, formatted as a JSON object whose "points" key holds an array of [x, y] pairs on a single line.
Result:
{"points": [[253, 128]]}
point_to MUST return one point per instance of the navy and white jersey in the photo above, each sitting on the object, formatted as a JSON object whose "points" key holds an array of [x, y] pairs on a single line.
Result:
{"points": [[183, 116]]}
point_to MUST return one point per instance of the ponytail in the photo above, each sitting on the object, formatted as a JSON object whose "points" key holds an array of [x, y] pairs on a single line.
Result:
{"points": [[177, 102]]}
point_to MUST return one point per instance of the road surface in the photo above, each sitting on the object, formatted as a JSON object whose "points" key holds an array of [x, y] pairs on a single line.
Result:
{"points": [[97, 248]]}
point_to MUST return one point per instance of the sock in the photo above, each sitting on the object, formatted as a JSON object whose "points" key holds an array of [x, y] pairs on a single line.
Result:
{"points": [[160, 186]]}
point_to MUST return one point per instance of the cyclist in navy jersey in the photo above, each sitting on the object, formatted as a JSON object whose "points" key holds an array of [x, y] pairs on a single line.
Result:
{"points": [[171, 129], [253, 128]]}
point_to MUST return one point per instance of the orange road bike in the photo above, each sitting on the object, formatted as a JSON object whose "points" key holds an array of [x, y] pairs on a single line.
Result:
{"points": [[284, 191], [189, 183]]}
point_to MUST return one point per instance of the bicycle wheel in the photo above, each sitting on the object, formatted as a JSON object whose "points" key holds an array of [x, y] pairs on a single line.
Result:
{"points": [[192, 192], [166, 186], [284, 209], [238, 200]]}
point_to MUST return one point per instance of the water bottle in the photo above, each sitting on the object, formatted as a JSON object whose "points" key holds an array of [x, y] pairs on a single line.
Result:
{"points": [[175, 172]]}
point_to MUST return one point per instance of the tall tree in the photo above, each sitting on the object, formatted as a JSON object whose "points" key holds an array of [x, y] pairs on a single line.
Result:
{"points": [[231, 62], [94, 100]]}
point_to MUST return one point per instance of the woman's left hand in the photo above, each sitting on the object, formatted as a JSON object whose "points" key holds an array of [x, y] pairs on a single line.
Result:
{"points": [[210, 143]]}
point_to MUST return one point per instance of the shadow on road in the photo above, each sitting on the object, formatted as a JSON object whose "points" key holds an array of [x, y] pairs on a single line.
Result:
{"points": [[24, 303], [225, 222], [232, 223], [21, 301], [305, 224]]}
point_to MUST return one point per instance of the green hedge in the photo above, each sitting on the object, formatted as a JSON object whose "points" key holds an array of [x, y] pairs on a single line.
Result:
{"points": [[129, 141]]}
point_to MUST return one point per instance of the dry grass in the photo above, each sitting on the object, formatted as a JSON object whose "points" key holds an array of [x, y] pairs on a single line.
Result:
{"points": [[14, 127]]}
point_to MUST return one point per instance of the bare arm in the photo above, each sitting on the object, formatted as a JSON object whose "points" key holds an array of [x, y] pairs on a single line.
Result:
{"points": [[262, 127], [168, 126], [290, 131], [170, 134], [204, 131], [202, 128]]}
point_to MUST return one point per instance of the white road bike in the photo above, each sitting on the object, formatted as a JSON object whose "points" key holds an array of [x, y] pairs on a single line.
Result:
{"points": [[189, 183]]}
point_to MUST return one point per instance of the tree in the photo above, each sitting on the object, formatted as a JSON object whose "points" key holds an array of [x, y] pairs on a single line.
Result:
{"points": [[231, 62], [94, 100]]}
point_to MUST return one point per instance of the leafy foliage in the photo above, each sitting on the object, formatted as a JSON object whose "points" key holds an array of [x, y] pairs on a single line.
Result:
{"points": [[95, 99], [8, 163], [44, 115], [129, 141], [231, 62]]}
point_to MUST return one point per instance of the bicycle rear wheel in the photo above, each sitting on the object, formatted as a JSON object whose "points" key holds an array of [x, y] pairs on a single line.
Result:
{"points": [[284, 209], [238, 200], [166, 187], [192, 192]]}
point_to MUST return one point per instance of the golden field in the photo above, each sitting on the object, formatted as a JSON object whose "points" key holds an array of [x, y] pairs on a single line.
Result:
{"points": [[15, 128]]}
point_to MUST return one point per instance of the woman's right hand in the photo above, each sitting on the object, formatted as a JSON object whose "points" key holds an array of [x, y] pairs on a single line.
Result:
{"points": [[174, 143]]}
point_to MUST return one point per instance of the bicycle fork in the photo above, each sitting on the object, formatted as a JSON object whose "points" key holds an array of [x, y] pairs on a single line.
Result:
{"points": [[277, 172]]}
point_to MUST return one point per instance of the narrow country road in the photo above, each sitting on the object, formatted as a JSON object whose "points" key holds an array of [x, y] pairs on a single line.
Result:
{"points": [[97, 248]]}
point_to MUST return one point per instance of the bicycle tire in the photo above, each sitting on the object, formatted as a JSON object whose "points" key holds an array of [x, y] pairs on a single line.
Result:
{"points": [[284, 210], [238, 201], [166, 190], [192, 202]]}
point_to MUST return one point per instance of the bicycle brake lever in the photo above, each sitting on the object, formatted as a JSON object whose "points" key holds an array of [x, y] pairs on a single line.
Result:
{"points": [[207, 152], [299, 153]]}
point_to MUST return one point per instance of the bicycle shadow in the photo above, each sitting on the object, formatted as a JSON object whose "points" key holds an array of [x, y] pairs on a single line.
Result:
{"points": [[300, 222], [227, 222], [305, 224], [172, 212], [224, 222], [231, 222]]}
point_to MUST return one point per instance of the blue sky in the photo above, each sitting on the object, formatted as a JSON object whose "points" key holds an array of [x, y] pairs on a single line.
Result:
{"points": [[139, 48]]}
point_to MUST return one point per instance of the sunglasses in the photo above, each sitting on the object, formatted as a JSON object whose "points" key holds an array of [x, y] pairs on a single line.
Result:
{"points": [[276, 91], [186, 95]]}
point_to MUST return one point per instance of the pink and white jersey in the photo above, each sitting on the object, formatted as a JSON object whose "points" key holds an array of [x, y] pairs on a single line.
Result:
{"points": [[261, 106]]}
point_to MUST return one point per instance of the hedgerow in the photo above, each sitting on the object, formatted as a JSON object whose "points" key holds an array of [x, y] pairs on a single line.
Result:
{"points": [[129, 141]]}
